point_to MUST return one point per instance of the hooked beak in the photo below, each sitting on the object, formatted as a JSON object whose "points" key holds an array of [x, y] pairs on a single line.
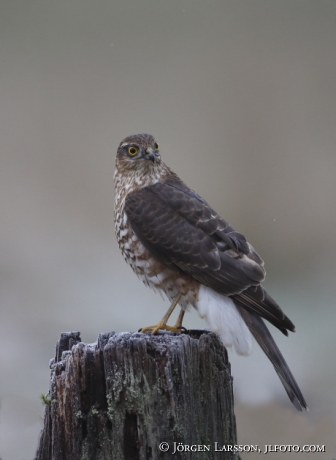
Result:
{"points": [[150, 155]]}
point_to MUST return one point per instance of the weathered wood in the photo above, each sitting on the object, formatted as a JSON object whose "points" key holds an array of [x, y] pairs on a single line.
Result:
{"points": [[119, 398]]}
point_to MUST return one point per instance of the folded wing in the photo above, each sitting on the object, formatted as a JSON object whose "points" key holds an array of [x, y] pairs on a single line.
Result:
{"points": [[183, 232]]}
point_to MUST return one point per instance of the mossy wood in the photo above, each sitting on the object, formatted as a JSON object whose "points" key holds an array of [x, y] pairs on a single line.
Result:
{"points": [[119, 398]]}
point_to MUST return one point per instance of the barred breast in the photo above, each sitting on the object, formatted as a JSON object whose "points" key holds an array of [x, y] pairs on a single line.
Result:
{"points": [[153, 274]]}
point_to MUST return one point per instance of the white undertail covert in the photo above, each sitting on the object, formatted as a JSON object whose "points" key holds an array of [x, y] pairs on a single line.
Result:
{"points": [[222, 316]]}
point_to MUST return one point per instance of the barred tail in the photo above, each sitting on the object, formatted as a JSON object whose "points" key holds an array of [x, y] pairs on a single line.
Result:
{"points": [[262, 335]]}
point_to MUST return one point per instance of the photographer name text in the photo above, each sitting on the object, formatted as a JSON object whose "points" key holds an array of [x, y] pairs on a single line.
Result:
{"points": [[177, 447]]}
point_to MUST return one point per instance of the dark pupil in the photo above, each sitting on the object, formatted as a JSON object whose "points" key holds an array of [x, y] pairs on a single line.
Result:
{"points": [[132, 150]]}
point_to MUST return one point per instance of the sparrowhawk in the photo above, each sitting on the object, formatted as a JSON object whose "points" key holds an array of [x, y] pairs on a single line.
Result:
{"points": [[176, 243]]}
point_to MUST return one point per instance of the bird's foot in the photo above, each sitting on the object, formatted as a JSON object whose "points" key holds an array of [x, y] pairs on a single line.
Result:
{"points": [[160, 326]]}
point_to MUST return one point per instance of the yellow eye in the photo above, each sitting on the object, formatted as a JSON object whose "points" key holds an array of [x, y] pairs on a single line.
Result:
{"points": [[157, 146], [132, 151]]}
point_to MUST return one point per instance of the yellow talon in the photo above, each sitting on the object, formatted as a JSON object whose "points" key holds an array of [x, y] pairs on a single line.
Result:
{"points": [[163, 323]]}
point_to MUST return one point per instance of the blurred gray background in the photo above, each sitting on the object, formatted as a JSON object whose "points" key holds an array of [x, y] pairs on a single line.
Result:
{"points": [[241, 96]]}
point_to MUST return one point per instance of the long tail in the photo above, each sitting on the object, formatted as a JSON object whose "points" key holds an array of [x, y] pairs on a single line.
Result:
{"points": [[262, 335]]}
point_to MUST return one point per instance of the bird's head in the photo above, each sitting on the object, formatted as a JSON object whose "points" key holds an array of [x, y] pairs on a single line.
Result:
{"points": [[138, 152]]}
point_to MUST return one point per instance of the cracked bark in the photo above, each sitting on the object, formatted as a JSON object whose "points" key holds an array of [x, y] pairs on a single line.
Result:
{"points": [[119, 398]]}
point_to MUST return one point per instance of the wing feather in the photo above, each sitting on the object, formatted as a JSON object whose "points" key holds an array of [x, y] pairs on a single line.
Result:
{"points": [[183, 232]]}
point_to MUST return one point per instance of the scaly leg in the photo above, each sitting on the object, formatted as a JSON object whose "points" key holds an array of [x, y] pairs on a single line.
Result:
{"points": [[178, 324], [163, 323]]}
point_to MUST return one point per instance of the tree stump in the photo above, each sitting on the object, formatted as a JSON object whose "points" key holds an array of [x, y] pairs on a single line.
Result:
{"points": [[134, 396]]}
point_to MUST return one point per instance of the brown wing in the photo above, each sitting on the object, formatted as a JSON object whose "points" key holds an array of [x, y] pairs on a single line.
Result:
{"points": [[182, 231]]}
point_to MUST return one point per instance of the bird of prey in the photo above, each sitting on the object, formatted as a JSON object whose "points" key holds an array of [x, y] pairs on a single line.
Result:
{"points": [[176, 243]]}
